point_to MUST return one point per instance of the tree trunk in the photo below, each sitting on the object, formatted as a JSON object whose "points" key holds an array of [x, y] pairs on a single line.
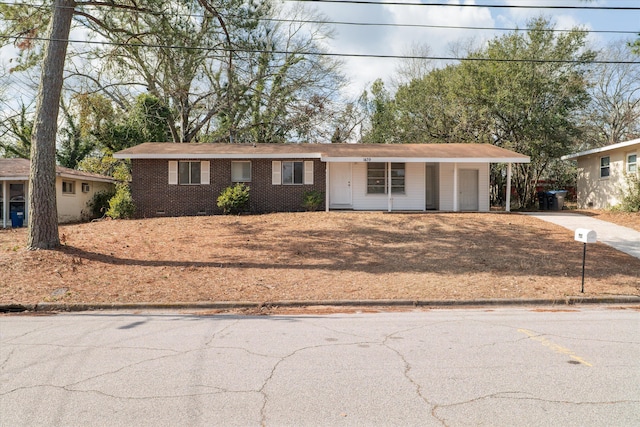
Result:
{"points": [[43, 213]]}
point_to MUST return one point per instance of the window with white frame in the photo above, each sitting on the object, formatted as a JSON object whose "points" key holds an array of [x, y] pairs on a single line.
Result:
{"points": [[378, 178], [292, 173], [85, 187], [68, 187], [604, 167], [188, 173], [632, 163], [241, 171], [397, 178]]}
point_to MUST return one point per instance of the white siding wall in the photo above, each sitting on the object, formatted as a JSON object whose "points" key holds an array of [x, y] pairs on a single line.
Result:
{"points": [[413, 199], [446, 185], [601, 193], [483, 192], [71, 206]]}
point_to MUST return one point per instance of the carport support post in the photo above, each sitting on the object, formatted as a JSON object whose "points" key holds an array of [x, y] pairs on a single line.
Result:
{"points": [[507, 208], [584, 256], [389, 187]]}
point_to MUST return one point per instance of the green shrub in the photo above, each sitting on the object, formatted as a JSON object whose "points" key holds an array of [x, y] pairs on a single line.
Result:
{"points": [[312, 200], [99, 203], [631, 200], [234, 199], [121, 205]]}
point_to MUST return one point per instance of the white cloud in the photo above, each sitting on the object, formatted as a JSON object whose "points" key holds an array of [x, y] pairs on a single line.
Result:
{"points": [[396, 40]]}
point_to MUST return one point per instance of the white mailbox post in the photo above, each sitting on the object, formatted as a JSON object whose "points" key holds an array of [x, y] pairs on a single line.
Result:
{"points": [[585, 236]]}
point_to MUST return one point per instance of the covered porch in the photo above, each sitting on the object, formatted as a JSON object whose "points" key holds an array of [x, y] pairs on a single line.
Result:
{"points": [[445, 177]]}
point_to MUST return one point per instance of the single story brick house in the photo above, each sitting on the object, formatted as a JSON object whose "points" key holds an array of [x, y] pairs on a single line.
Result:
{"points": [[176, 179], [73, 190], [602, 173]]}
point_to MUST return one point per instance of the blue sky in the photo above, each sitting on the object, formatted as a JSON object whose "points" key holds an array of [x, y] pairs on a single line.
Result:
{"points": [[397, 40]]}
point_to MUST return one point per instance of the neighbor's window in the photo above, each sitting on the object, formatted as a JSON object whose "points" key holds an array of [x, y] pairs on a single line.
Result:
{"points": [[188, 173], [378, 179], [68, 187], [632, 163], [241, 171], [604, 167], [292, 172]]}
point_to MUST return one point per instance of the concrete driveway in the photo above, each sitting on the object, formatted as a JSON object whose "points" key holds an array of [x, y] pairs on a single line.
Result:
{"points": [[624, 239]]}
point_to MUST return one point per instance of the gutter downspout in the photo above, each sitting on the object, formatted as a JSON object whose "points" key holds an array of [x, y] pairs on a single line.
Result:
{"points": [[508, 195]]}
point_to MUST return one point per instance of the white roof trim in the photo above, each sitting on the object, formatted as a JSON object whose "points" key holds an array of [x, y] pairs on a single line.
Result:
{"points": [[14, 178], [241, 156], [85, 178], [426, 159], [245, 156], [601, 149]]}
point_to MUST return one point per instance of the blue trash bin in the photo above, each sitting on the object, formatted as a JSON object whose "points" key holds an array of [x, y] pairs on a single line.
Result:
{"points": [[17, 218]]}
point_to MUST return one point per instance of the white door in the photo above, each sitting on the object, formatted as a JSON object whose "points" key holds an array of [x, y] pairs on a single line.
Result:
{"points": [[340, 185], [468, 189]]}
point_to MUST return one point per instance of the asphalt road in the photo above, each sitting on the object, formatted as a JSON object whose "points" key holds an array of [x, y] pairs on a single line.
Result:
{"points": [[498, 367]]}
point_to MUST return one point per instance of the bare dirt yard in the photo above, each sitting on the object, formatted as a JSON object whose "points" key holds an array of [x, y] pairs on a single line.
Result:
{"points": [[312, 256]]}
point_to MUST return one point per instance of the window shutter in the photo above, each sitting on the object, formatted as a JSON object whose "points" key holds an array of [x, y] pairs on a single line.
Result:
{"points": [[276, 172], [173, 172], [308, 172], [205, 172]]}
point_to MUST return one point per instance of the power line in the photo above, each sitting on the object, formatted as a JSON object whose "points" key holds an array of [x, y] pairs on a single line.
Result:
{"points": [[340, 55], [396, 25], [452, 27], [492, 6]]}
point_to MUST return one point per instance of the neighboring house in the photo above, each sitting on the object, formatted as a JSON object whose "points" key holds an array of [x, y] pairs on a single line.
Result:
{"points": [[73, 190], [602, 173], [185, 179]]}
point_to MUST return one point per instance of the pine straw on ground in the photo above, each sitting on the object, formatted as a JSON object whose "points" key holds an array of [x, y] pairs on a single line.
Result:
{"points": [[311, 256]]}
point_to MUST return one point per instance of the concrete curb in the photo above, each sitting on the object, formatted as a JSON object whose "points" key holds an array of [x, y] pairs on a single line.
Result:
{"points": [[231, 305]]}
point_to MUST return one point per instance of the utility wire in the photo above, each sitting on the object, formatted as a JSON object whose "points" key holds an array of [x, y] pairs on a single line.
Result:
{"points": [[398, 3], [340, 55], [382, 24], [452, 27], [492, 6]]}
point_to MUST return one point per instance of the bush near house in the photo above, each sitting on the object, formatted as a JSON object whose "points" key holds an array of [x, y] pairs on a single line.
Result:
{"points": [[121, 205], [631, 200], [234, 199], [312, 200], [99, 203]]}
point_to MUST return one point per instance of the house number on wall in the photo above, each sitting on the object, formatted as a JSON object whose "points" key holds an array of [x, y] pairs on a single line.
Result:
{"points": [[367, 159]]}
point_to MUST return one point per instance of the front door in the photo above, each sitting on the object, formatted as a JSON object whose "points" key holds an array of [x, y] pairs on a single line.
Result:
{"points": [[340, 185], [468, 189]]}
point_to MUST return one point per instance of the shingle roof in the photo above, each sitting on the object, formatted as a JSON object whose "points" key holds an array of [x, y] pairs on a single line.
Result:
{"points": [[327, 152], [19, 169]]}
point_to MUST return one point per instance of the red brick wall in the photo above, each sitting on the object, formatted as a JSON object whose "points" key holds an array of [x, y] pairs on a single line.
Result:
{"points": [[153, 196]]}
